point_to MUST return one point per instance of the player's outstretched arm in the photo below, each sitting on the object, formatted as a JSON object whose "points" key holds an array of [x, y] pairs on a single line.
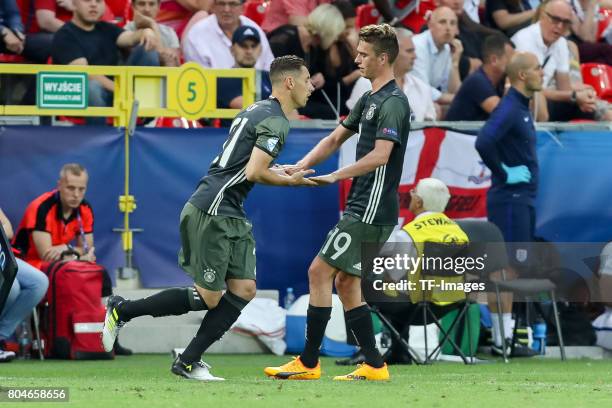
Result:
{"points": [[379, 156], [258, 171], [325, 147]]}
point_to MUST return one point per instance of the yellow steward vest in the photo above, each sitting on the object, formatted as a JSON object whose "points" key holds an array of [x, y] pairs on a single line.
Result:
{"points": [[435, 227]]}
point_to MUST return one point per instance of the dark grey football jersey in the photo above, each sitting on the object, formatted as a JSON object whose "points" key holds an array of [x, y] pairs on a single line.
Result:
{"points": [[223, 190], [384, 114]]}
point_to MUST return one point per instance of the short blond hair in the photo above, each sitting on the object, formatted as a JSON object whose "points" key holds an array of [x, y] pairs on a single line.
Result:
{"points": [[73, 168], [327, 22], [383, 40]]}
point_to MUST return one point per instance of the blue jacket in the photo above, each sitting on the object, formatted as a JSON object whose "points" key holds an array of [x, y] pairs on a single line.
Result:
{"points": [[509, 137], [10, 16]]}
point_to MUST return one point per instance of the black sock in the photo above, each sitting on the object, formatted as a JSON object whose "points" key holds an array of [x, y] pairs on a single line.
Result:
{"points": [[316, 322], [216, 323], [176, 301], [360, 323]]}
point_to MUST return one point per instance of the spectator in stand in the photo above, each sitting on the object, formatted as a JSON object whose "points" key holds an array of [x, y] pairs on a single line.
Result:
{"points": [[167, 40], [480, 92], [471, 9], [471, 35], [437, 55], [283, 12], [50, 16], [339, 69], [545, 39], [246, 48], [509, 16], [209, 41], [61, 220], [313, 42], [28, 289], [584, 32], [88, 41], [417, 91], [181, 15], [14, 39]]}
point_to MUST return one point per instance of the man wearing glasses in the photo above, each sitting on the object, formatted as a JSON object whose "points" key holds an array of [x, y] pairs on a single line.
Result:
{"points": [[209, 41], [545, 39]]}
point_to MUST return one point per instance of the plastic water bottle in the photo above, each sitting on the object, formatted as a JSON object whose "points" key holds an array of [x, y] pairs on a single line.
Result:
{"points": [[539, 336], [289, 298], [25, 340]]}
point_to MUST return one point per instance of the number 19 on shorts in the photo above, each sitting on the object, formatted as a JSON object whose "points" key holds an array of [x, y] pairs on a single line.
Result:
{"points": [[339, 243]]}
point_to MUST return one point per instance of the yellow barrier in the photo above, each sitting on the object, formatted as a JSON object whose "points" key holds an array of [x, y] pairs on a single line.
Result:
{"points": [[188, 91]]}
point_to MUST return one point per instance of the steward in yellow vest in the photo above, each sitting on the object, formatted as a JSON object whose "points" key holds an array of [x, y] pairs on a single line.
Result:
{"points": [[438, 228]]}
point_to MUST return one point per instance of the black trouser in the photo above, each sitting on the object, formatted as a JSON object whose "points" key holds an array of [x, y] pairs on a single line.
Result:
{"points": [[37, 47], [403, 314]]}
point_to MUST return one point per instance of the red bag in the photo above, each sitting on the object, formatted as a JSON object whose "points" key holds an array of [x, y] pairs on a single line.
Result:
{"points": [[73, 314]]}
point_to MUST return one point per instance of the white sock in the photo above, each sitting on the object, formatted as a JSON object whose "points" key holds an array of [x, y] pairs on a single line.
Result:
{"points": [[495, 329], [508, 324]]}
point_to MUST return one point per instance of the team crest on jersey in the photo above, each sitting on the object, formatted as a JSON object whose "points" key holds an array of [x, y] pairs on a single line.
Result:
{"points": [[371, 110], [209, 275], [521, 255], [271, 143]]}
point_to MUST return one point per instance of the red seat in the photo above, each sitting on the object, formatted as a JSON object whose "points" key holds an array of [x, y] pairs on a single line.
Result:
{"points": [[367, 14], [11, 59], [416, 20], [116, 8], [599, 76], [256, 10], [177, 123], [604, 20]]}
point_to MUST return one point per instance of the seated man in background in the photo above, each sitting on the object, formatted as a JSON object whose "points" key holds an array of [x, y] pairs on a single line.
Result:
{"points": [[209, 41], [417, 91], [246, 49], [28, 289], [437, 55], [56, 218], [472, 36], [168, 45], [545, 38], [86, 40], [49, 17], [481, 91], [61, 220]]}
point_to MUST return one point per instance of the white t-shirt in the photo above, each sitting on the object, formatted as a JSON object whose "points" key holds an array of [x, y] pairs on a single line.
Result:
{"points": [[417, 91], [208, 45], [553, 59]]}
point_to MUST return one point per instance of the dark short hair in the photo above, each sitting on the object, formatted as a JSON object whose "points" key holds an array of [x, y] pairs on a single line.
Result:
{"points": [[282, 66], [346, 8], [383, 39], [494, 44]]}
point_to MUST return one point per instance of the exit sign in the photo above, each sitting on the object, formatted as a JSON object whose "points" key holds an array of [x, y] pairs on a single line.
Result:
{"points": [[61, 90]]}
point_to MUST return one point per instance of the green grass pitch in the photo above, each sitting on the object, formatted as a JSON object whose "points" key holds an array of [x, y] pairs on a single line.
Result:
{"points": [[146, 381]]}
